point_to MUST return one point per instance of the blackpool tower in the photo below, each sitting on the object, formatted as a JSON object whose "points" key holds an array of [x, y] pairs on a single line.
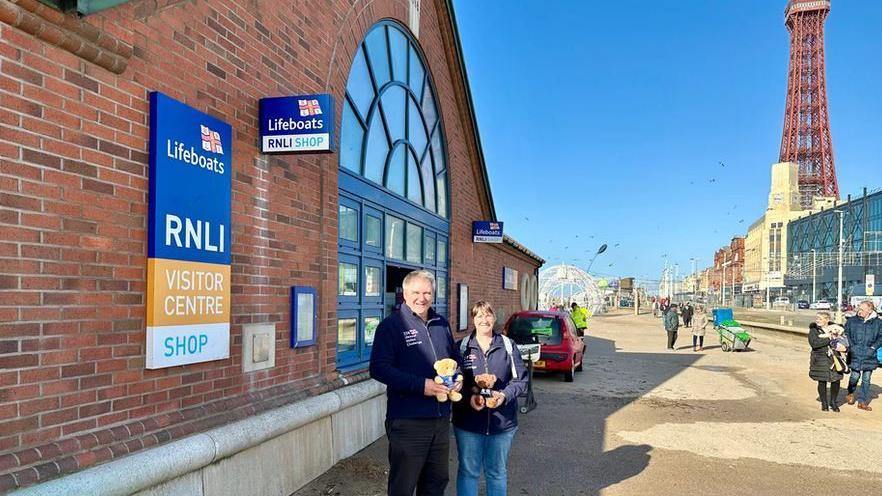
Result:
{"points": [[806, 139]]}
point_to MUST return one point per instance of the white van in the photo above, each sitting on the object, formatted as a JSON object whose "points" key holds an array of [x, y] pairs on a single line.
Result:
{"points": [[781, 301]]}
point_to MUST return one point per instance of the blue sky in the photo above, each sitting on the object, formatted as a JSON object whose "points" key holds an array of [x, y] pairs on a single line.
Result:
{"points": [[607, 120]]}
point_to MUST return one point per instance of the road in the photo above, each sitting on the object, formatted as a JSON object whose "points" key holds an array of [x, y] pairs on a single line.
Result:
{"points": [[643, 420]]}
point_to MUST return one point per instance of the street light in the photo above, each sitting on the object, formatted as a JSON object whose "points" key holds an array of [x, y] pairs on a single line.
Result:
{"points": [[814, 274], [839, 280], [599, 251]]}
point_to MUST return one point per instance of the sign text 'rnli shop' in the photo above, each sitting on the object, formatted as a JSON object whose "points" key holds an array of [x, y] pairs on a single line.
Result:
{"points": [[290, 124], [188, 266]]}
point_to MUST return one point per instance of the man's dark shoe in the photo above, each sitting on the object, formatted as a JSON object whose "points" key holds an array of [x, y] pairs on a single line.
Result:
{"points": [[835, 408], [850, 398]]}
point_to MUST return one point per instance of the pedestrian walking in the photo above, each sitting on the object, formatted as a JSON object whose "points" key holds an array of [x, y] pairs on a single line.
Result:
{"points": [[672, 323], [406, 346], [821, 365], [654, 307], [699, 330], [486, 421], [864, 336], [688, 311]]}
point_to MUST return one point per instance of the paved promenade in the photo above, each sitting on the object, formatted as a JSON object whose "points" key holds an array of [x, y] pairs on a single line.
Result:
{"points": [[643, 420]]}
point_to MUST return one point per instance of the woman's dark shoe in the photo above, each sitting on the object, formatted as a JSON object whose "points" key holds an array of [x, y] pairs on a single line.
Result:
{"points": [[824, 407], [850, 398], [835, 408]]}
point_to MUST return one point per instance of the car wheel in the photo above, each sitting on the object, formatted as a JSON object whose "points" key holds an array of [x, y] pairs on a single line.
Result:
{"points": [[724, 346], [568, 376], [581, 362]]}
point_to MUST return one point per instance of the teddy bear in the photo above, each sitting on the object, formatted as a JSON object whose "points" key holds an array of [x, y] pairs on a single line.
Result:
{"points": [[446, 369], [484, 388]]}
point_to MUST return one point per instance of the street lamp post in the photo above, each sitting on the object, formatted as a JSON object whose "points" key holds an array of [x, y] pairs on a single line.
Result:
{"points": [[814, 274], [839, 279]]}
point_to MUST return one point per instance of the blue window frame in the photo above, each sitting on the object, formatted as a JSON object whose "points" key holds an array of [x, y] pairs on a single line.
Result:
{"points": [[304, 316], [393, 179]]}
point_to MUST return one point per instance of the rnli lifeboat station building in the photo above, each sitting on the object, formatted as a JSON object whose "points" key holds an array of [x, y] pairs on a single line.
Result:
{"points": [[206, 209]]}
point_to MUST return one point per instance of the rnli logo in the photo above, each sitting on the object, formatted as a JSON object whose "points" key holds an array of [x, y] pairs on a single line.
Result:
{"points": [[309, 107], [211, 141], [494, 226]]}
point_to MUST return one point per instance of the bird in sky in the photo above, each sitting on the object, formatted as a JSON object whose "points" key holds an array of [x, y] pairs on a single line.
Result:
{"points": [[713, 180], [616, 245], [722, 164]]}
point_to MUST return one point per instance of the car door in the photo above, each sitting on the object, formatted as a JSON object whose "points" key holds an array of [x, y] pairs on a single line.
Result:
{"points": [[574, 339]]}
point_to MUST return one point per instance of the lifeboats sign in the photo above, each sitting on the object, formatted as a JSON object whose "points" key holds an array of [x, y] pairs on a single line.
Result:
{"points": [[291, 124], [486, 232], [188, 264]]}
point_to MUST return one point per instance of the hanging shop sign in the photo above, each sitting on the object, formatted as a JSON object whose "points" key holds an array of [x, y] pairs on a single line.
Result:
{"points": [[292, 124], [484, 231], [188, 264], [870, 285]]}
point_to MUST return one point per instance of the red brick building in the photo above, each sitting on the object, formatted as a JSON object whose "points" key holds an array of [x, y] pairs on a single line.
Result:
{"points": [[74, 181], [733, 257]]}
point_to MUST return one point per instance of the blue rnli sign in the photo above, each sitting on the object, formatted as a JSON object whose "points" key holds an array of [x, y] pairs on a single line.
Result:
{"points": [[291, 124], [486, 232]]}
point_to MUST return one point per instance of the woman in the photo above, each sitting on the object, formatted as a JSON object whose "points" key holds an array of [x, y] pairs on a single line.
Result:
{"points": [[821, 362], [698, 330], [672, 323], [484, 434]]}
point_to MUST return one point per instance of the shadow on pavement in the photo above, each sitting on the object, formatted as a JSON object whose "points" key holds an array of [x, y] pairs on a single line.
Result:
{"points": [[561, 448]]}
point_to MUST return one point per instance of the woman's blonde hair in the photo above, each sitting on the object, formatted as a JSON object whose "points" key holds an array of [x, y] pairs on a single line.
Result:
{"points": [[482, 306], [826, 316]]}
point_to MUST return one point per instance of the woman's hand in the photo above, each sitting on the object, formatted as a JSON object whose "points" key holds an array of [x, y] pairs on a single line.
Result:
{"points": [[477, 402], [841, 348]]}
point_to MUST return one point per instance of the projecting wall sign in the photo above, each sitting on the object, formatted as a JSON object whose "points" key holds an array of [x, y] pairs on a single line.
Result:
{"points": [[188, 265], [292, 124]]}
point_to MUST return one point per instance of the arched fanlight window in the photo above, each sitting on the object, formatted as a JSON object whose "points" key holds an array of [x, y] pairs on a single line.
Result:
{"points": [[391, 132]]}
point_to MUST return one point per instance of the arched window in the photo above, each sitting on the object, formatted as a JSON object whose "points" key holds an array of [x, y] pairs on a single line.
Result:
{"points": [[390, 131]]}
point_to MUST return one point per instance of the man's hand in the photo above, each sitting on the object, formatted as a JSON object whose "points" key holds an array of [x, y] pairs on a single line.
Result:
{"points": [[477, 402], [457, 387], [499, 396], [432, 389]]}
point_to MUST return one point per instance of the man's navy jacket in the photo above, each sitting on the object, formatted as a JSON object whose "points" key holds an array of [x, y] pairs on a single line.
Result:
{"points": [[403, 356]]}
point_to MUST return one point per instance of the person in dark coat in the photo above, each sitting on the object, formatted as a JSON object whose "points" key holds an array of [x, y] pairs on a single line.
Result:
{"points": [[865, 336], [485, 424], [821, 362], [407, 344], [672, 323], [687, 315]]}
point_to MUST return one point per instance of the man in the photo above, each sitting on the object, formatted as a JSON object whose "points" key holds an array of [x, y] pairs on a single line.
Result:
{"points": [[864, 337], [687, 315], [406, 346], [580, 317], [672, 323]]}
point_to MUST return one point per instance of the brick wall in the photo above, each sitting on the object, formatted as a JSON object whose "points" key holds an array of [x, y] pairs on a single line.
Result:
{"points": [[73, 190]]}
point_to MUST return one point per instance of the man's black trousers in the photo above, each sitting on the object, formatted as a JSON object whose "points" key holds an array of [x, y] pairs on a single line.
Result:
{"points": [[672, 338], [418, 455]]}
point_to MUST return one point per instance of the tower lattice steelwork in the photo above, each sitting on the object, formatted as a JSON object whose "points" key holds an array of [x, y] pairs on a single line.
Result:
{"points": [[806, 139]]}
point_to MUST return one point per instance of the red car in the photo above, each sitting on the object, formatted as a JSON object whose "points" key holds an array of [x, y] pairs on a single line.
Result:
{"points": [[562, 347]]}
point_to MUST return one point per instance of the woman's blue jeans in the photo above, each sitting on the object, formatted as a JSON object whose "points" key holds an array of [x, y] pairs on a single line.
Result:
{"points": [[487, 451]]}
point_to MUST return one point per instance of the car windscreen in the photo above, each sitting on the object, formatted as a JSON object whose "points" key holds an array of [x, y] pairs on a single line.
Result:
{"points": [[535, 329]]}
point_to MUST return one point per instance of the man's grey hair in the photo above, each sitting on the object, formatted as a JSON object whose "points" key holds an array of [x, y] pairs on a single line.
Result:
{"points": [[419, 274], [869, 304]]}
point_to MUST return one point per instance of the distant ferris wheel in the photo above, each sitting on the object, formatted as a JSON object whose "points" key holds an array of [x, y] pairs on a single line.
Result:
{"points": [[564, 284]]}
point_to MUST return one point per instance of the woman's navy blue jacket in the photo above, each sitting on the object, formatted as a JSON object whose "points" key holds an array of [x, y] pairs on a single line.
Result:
{"points": [[403, 357], [497, 362]]}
